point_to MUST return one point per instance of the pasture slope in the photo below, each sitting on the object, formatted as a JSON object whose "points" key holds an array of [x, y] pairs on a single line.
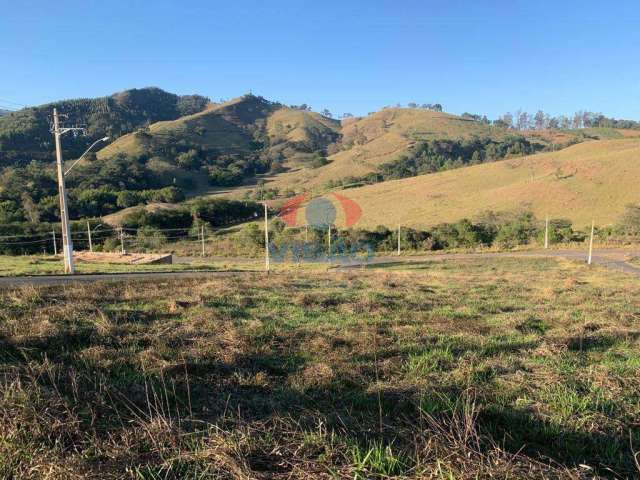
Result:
{"points": [[592, 180]]}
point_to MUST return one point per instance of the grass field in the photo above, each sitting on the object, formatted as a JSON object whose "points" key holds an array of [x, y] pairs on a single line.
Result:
{"points": [[457, 369], [593, 180]]}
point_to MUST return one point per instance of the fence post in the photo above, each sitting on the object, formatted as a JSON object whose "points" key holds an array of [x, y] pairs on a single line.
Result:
{"points": [[267, 265], [202, 232], [593, 224], [546, 233], [89, 234]]}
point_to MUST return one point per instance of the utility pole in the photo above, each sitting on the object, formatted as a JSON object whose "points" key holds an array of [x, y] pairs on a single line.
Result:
{"points": [[546, 233], [266, 239], [202, 232], [399, 251], [89, 235], [67, 245], [55, 247], [593, 224]]}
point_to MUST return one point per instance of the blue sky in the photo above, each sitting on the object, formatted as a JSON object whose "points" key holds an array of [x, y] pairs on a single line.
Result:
{"points": [[481, 56]]}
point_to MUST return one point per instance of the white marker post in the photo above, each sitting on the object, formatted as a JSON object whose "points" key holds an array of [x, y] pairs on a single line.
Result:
{"points": [[202, 232], [329, 236], [55, 247], [593, 224], [546, 233], [266, 239], [89, 236], [399, 251], [121, 241]]}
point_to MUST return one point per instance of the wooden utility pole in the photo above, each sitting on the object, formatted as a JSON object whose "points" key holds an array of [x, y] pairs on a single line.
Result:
{"points": [[89, 235], [55, 247], [399, 251], [267, 265], [67, 245], [546, 233], [202, 233], [593, 225]]}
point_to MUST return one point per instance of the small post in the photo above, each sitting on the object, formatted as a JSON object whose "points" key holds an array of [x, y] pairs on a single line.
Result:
{"points": [[202, 232], [399, 251], [89, 235], [55, 247], [329, 241], [121, 241], [593, 224], [546, 233], [266, 239], [306, 233]]}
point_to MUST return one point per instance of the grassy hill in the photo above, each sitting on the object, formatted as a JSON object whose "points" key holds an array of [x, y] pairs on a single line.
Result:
{"points": [[246, 135], [592, 180], [381, 137], [239, 126]]}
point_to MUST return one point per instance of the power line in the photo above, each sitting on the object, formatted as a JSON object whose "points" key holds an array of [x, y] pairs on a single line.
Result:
{"points": [[4, 100]]}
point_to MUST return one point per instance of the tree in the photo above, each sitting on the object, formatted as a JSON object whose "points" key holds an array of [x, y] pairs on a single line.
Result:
{"points": [[539, 120], [327, 113], [523, 121], [507, 119]]}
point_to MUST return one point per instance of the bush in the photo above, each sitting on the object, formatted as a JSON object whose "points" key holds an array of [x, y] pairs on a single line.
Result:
{"points": [[630, 222]]}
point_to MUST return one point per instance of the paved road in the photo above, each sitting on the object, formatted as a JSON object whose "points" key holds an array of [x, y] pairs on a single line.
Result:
{"points": [[612, 258], [617, 259]]}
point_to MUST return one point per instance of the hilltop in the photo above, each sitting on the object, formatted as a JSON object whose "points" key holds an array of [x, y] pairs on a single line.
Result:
{"points": [[25, 134], [593, 180], [243, 125]]}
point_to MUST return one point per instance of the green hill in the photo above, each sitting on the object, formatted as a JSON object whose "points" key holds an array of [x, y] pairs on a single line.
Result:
{"points": [[25, 135], [231, 142], [166, 147]]}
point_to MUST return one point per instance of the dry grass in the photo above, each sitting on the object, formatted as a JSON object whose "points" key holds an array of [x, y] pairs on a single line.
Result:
{"points": [[511, 368], [593, 180]]}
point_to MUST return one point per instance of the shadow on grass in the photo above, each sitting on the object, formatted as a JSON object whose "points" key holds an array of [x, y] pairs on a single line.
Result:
{"points": [[257, 387]]}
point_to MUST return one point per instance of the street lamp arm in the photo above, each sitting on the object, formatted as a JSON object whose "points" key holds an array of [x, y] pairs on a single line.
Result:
{"points": [[88, 150]]}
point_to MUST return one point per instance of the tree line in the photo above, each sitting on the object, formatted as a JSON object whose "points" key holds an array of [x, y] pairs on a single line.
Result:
{"points": [[522, 120]]}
